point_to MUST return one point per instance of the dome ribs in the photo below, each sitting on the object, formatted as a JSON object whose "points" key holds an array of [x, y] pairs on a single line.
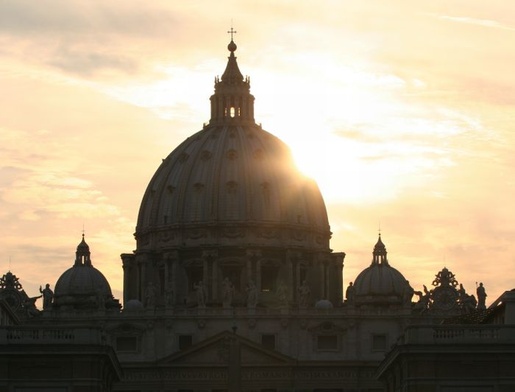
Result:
{"points": [[232, 180]]}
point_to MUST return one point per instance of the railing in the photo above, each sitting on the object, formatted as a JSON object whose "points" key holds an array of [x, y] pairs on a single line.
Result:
{"points": [[458, 334], [44, 335]]}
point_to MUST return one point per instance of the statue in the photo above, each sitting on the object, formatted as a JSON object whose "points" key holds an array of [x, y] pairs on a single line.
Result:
{"points": [[349, 293], [252, 295], [461, 293], [150, 296], [47, 295], [423, 300], [481, 297], [282, 294], [201, 294], [227, 292], [304, 294], [468, 303], [407, 294], [29, 305]]}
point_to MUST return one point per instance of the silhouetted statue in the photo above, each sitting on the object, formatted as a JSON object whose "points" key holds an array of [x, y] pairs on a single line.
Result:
{"points": [[150, 295], [468, 303], [227, 292], [481, 297], [462, 293], [252, 295], [30, 306], [423, 300], [201, 294], [349, 293], [48, 296], [407, 294], [304, 294]]}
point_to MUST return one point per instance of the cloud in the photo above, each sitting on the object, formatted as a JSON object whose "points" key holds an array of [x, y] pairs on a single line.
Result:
{"points": [[24, 17], [477, 22], [66, 35]]}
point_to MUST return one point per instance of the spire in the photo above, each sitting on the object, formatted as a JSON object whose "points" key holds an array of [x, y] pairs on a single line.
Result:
{"points": [[379, 253], [232, 102], [82, 256]]}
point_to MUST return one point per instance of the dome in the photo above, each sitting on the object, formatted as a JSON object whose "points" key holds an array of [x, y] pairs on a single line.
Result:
{"points": [[133, 305], [229, 204], [237, 182], [232, 181], [379, 282], [323, 304], [83, 286]]}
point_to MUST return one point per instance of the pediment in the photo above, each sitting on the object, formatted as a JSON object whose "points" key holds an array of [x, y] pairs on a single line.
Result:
{"points": [[217, 350]]}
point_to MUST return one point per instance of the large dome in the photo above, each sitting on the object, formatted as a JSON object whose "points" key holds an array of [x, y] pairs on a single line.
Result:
{"points": [[228, 208], [232, 180], [236, 182]]}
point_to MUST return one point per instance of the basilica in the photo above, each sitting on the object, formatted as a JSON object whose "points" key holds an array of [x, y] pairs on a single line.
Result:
{"points": [[233, 287]]}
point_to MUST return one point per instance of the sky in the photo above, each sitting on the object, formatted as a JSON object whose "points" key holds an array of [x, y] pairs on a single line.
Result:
{"points": [[403, 112]]}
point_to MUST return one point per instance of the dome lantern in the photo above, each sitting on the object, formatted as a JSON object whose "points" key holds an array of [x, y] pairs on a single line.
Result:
{"points": [[379, 253], [83, 255], [232, 102]]}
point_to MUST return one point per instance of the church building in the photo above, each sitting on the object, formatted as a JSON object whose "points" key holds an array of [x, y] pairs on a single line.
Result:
{"points": [[233, 286]]}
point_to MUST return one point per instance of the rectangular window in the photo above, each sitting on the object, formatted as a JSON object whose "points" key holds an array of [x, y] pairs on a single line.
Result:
{"points": [[268, 341], [327, 342], [127, 343], [185, 341], [379, 342]]}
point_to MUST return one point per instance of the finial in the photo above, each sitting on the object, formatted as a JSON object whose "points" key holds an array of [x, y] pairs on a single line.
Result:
{"points": [[232, 46]]}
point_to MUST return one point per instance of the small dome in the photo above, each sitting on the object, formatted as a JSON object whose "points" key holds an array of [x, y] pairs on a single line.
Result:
{"points": [[83, 286], [380, 282], [324, 304], [133, 305], [82, 280]]}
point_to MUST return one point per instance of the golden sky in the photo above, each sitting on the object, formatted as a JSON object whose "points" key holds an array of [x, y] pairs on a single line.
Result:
{"points": [[402, 110]]}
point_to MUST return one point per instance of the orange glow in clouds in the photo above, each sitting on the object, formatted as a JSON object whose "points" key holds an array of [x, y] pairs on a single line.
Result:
{"points": [[402, 112]]}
